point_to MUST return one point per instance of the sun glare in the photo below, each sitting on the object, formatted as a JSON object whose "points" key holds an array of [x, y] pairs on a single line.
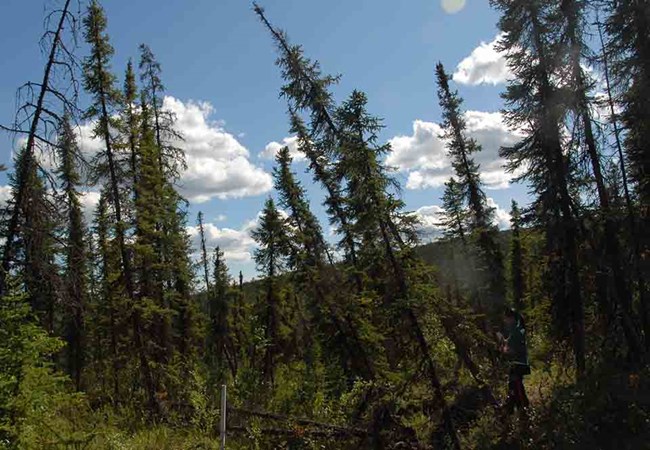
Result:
{"points": [[452, 6]]}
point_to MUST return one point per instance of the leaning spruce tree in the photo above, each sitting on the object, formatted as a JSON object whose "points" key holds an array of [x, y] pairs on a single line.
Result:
{"points": [[571, 20], [628, 52], [99, 82], [309, 258], [58, 85], [454, 221], [480, 215], [534, 104]]}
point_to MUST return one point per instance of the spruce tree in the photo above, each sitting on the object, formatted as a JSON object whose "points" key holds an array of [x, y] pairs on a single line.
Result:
{"points": [[173, 247], [170, 157], [455, 212], [614, 121], [35, 240], [309, 236], [379, 225], [271, 258], [534, 103], [130, 124], [181, 275], [99, 82], [110, 309], [307, 90], [148, 235], [75, 276], [481, 223], [324, 173], [218, 306], [307, 261], [572, 20], [204, 254], [629, 48], [516, 258], [57, 85]]}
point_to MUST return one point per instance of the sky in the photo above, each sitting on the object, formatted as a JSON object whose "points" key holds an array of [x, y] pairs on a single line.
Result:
{"points": [[221, 81]]}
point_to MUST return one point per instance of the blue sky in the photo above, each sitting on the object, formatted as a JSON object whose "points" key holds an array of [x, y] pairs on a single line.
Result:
{"points": [[218, 68]]}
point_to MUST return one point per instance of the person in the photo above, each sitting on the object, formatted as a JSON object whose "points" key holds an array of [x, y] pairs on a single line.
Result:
{"points": [[513, 346]]}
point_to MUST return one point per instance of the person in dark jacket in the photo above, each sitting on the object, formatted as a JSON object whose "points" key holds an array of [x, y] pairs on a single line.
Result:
{"points": [[513, 346]]}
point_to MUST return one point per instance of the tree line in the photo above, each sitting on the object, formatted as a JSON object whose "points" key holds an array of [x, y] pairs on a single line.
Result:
{"points": [[364, 330]]}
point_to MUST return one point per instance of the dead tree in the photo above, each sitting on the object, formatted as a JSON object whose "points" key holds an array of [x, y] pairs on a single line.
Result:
{"points": [[36, 118]]}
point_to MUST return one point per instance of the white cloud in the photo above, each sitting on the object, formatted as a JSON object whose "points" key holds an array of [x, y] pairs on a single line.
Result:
{"points": [[485, 65], [218, 165], [237, 244], [88, 144], [501, 216], [422, 150], [429, 218], [272, 149], [89, 201], [424, 158], [5, 195]]}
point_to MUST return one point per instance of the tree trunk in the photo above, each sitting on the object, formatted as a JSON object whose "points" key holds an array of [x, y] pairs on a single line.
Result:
{"points": [[12, 228]]}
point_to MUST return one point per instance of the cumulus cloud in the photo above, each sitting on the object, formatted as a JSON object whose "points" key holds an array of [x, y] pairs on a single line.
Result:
{"points": [[429, 218], [5, 194], [423, 155], [485, 65], [501, 216], [422, 150], [218, 165], [237, 244], [272, 149]]}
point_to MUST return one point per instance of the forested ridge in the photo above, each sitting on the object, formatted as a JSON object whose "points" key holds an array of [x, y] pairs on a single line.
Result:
{"points": [[116, 333]]}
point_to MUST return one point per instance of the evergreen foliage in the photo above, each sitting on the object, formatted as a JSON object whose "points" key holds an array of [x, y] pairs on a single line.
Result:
{"points": [[119, 334], [469, 188]]}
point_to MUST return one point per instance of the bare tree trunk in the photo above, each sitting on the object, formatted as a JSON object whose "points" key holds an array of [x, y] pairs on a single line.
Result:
{"points": [[12, 229], [631, 216]]}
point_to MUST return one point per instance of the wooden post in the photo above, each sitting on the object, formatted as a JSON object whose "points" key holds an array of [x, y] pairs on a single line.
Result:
{"points": [[223, 417]]}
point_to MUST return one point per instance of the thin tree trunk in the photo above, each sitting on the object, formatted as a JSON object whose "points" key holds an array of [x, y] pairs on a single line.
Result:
{"points": [[126, 262], [612, 248], [12, 229], [631, 216], [558, 168]]}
